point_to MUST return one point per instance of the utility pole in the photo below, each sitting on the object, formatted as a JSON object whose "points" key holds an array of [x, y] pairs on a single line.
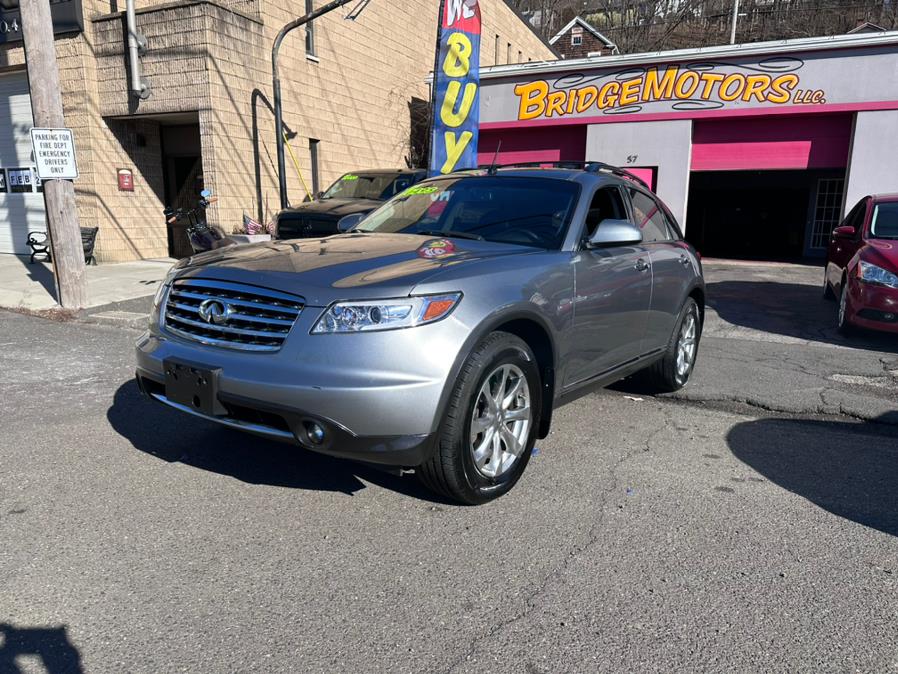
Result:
{"points": [[276, 86], [59, 195], [735, 19]]}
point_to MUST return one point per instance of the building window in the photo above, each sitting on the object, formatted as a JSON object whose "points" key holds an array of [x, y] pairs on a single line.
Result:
{"points": [[508, 53], [496, 53], [827, 208], [520, 56], [310, 31], [576, 40], [313, 159]]}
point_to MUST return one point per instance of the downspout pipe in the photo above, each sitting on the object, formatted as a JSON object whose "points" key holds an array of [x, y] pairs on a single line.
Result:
{"points": [[276, 89], [137, 45]]}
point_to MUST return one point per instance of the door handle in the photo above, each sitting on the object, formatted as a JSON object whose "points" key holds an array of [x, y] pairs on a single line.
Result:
{"points": [[641, 265], [684, 261]]}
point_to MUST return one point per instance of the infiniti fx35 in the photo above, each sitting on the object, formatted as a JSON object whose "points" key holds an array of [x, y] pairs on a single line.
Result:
{"points": [[440, 331]]}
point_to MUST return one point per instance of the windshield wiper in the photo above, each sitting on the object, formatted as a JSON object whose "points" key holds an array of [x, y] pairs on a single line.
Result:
{"points": [[451, 233]]}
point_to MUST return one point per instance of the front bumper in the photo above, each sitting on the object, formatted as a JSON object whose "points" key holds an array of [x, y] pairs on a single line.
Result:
{"points": [[291, 425], [378, 395], [873, 307]]}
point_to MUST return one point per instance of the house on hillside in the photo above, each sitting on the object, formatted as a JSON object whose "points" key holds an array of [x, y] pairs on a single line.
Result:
{"points": [[578, 39], [866, 27]]}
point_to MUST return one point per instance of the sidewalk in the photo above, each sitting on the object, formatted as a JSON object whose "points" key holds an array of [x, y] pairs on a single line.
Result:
{"points": [[30, 286]]}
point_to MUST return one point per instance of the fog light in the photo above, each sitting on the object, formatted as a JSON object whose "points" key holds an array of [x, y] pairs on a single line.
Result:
{"points": [[314, 433], [889, 317]]}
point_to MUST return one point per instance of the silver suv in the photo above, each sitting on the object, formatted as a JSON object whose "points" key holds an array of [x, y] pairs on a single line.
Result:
{"points": [[438, 332]]}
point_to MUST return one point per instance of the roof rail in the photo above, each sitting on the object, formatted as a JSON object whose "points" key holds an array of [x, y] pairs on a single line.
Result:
{"points": [[588, 166]]}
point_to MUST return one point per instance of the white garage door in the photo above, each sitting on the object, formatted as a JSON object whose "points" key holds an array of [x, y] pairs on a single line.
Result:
{"points": [[21, 203]]}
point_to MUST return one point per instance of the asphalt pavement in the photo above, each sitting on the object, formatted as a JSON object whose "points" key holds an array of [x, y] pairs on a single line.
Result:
{"points": [[747, 523]]}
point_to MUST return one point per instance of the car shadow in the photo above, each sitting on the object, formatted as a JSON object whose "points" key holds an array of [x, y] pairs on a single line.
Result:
{"points": [[172, 436], [790, 309], [847, 468], [51, 645]]}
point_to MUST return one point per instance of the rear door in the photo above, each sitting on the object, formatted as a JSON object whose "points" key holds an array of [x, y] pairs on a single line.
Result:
{"points": [[613, 288], [672, 270]]}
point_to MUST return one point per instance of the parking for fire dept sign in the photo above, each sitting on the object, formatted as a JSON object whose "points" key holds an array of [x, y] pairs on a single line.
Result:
{"points": [[54, 154]]}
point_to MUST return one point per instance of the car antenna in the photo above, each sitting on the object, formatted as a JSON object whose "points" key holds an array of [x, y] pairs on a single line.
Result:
{"points": [[492, 169]]}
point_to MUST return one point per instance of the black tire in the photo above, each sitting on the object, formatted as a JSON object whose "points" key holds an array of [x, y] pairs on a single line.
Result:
{"points": [[828, 293], [451, 471], [662, 376], [843, 323]]}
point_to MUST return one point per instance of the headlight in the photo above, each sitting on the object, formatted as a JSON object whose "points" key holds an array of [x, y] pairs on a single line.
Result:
{"points": [[160, 291], [873, 274], [368, 316]]}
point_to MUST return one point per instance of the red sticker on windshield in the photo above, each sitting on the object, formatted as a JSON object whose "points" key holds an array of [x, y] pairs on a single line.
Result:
{"points": [[436, 248]]}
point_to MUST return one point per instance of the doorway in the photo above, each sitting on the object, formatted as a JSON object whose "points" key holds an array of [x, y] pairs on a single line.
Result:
{"points": [[182, 172], [761, 215]]}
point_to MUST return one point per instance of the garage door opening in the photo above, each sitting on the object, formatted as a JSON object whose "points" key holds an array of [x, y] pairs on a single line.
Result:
{"points": [[762, 215], [767, 188]]}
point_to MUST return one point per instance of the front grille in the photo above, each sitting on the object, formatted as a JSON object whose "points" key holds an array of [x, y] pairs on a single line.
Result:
{"points": [[230, 315]]}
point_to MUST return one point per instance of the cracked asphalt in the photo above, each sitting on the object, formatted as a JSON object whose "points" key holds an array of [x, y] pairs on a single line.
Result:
{"points": [[749, 522]]}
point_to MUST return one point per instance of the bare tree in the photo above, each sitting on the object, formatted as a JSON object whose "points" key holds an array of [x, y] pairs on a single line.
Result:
{"points": [[650, 25]]}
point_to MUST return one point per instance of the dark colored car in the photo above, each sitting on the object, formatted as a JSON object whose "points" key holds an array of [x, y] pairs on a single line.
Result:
{"points": [[358, 192], [862, 265], [440, 332]]}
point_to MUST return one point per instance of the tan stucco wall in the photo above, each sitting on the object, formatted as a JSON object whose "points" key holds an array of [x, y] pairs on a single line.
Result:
{"points": [[214, 58]]}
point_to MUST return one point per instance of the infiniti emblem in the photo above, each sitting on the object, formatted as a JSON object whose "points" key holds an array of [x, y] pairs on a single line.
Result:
{"points": [[215, 312]]}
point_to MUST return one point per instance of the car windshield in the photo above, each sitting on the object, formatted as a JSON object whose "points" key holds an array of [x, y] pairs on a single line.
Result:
{"points": [[519, 210], [885, 221], [369, 185]]}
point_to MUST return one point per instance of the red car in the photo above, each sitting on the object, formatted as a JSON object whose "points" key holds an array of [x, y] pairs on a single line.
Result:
{"points": [[862, 265]]}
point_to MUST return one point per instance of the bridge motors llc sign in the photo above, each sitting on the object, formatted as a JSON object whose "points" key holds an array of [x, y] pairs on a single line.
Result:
{"points": [[54, 154], [457, 85]]}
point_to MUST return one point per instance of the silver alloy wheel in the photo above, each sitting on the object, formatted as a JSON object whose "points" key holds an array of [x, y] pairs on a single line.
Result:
{"points": [[843, 303], [501, 420], [686, 345]]}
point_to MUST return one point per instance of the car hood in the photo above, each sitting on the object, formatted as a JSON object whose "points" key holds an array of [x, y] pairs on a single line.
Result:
{"points": [[336, 207], [346, 266], [881, 252]]}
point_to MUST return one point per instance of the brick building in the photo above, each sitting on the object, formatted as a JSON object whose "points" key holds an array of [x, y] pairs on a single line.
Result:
{"points": [[353, 90], [578, 39]]}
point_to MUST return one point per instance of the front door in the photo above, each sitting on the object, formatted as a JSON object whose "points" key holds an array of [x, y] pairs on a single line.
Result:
{"points": [[612, 292], [842, 249]]}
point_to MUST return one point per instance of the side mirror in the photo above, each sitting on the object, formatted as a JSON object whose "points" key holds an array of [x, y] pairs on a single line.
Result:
{"points": [[319, 195], [844, 232], [611, 232], [349, 222]]}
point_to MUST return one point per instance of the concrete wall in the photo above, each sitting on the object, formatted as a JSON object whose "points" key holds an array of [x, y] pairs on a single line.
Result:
{"points": [[667, 145], [874, 161]]}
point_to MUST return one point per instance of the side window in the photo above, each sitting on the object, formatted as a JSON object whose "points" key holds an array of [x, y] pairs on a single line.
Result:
{"points": [[607, 203], [858, 220], [673, 230], [855, 218], [649, 217], [399, 185]]}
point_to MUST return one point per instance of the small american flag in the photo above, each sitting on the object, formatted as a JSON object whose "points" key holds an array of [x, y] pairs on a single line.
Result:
{"points": [[251, 226]]}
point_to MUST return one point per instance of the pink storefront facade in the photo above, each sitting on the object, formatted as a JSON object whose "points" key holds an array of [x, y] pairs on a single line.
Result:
{"points": [[758, 149]]}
